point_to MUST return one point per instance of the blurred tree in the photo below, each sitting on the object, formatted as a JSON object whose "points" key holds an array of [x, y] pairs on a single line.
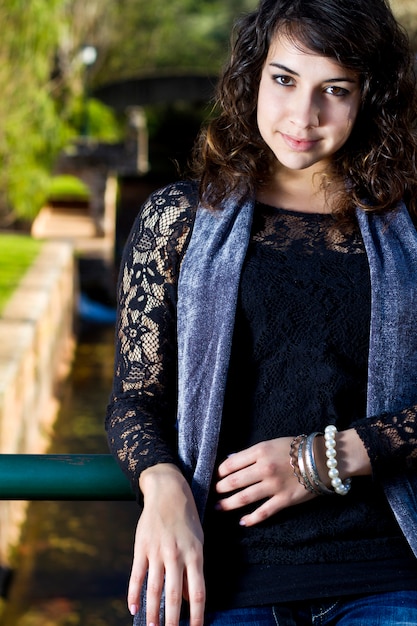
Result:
{"points": [[41, 81], [160, 36], [30, 129], [83, 23], [43, 78]]}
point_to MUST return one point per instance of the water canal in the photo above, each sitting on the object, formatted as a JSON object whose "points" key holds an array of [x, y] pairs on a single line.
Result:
{"points": [[72, 564]]}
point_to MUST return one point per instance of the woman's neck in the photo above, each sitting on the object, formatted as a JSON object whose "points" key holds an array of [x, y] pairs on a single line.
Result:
{"points": [[302, 190]]}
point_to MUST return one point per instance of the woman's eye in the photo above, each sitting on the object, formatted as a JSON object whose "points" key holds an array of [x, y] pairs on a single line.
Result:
{"points": [[286, 81], [334, 90]]}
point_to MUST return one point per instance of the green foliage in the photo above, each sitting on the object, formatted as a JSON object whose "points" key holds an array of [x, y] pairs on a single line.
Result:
{"points": [[66, 186], [17, 253], [93, 118], [32, 131], [180, 35]]}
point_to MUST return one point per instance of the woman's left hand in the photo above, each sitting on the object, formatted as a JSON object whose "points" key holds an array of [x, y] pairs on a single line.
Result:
{"points": [[261, 472]]}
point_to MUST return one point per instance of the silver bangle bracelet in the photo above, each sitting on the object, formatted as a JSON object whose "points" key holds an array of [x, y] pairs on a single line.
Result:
{"points": [[311, 467], [305, 479]]}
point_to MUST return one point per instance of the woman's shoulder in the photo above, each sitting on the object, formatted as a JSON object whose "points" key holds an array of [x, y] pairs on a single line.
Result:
{"points": [[167, 208], [181, 195], [164, 222]]}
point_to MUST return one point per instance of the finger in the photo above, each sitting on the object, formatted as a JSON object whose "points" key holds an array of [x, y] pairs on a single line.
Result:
{"points": [[265, 472], [137, 577], [236, 462], [174, 578], [240, 480], [154, 589], [274, 505], [243, 498], [196, 596], [263, 512]]}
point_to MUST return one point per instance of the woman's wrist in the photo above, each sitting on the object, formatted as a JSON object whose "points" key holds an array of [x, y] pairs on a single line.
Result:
{"points": [[352, 458], [161, 474], [325, 462]]}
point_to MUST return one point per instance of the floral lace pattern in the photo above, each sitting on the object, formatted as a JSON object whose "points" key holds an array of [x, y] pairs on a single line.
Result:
{"points": [[142, 409], [390, 440], [306, 228]]}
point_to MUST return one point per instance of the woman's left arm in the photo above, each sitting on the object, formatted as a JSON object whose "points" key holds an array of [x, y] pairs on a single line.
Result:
{"points": [[380, 446], [263, 473]]}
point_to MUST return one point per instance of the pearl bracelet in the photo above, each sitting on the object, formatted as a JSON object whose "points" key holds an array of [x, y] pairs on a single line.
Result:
{"points": [[330, 442]]}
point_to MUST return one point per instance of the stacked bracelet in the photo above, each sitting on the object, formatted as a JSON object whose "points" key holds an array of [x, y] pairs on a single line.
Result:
{"points": [[305, 478], [305, 469], [319, 486], [330, 442], [304, 465], [294, 449]]}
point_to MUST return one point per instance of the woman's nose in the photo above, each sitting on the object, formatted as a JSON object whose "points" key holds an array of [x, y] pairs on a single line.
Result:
{"points": [[305, 111]]}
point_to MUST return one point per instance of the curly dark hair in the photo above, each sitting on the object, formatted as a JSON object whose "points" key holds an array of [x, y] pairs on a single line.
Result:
{"points": [[379, 158]]}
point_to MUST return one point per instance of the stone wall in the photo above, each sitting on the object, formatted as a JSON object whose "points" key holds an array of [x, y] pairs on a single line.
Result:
{"points": [[36, 347]]}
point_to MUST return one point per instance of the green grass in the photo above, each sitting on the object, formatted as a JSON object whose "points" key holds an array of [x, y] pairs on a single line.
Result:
{"points": [[17, 252]]}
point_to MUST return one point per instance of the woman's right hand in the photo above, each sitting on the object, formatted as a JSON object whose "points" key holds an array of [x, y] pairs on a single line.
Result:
{"points": [[169, 547]]}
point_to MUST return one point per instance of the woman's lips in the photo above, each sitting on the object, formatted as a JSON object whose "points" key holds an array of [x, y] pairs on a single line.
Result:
{"points": [[299, 145]]}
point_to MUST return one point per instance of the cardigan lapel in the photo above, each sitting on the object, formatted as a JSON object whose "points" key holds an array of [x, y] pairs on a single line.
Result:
{"points": [[207, 297]]}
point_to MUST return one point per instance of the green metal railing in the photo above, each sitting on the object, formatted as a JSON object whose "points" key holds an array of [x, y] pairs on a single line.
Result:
{"points": [[62, 477]]}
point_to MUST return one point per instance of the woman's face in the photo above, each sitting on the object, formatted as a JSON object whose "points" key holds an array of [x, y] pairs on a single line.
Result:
{"points": [[307, 105]]}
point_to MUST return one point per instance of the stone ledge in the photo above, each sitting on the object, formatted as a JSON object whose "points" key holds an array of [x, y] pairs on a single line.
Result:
{"points": [[36, 349]]}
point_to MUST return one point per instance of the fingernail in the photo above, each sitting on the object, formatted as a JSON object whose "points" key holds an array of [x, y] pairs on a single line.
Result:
{"points": [[218, 506], [133, 609], [242, 522]]}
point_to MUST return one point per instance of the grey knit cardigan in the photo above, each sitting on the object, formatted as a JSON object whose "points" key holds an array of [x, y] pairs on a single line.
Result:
{"points": [[207, 297]]}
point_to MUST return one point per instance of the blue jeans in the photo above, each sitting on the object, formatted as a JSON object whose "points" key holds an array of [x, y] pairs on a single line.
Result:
{"points": [[397, 608]]}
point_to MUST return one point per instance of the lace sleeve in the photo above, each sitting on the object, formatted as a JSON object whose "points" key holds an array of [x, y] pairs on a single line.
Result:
{"points": [[390, 440], [141, 414]]}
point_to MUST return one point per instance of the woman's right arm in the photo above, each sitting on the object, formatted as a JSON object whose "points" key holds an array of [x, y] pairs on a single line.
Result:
{"points": [[141, 413], [168, 548], [142, 409]]}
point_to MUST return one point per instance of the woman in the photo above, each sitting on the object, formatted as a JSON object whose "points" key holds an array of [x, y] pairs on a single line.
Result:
{"points": [[264, 398]]}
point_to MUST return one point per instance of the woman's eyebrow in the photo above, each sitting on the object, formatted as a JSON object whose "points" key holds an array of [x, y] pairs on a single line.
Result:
{"points": [[285, 69], [341, 79]]}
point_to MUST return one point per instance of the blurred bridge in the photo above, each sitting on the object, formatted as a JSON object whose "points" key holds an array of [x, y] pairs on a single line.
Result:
{"points": [[155, 90]]}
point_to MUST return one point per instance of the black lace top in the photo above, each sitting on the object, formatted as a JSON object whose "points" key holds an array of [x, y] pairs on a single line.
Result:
{"points": [[299, 362]]}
